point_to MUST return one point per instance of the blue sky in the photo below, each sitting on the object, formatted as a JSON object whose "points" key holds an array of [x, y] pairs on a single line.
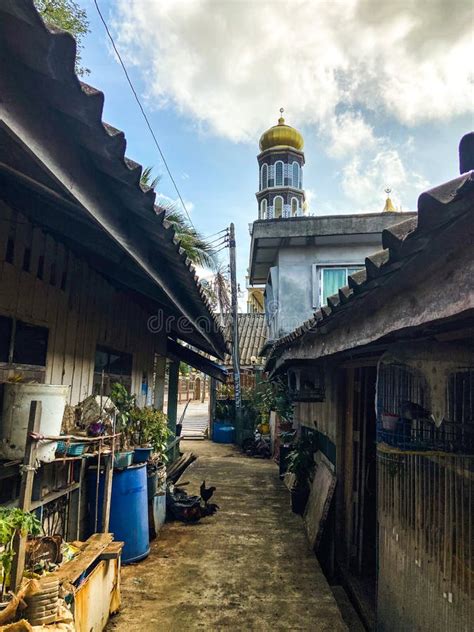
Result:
{"points": [[382, 97]]}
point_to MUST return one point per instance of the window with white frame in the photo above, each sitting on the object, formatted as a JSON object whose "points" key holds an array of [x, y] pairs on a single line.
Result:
{"points": [[294, 207], [263, 209], [264, 177], [296, 174], [327, 280], [278, 205], [279, 174]]}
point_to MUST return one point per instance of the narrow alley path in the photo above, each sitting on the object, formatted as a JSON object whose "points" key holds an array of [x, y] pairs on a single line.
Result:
{"points": [[246, 568]]}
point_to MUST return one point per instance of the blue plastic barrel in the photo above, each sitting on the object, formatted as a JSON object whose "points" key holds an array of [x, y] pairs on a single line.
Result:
{"points": [[128, 512], [216, 424], [224, 434]]}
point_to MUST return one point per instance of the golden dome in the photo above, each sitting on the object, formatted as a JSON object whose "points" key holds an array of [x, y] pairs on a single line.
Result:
{"points": [[281, 135]]}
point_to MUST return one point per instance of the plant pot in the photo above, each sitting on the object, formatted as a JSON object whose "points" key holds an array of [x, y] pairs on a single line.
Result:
{"points": [[123, 459], [152, 484], [299, 498], [141, 455]]}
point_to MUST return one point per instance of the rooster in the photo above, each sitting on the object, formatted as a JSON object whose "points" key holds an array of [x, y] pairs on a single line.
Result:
{"points": [[206, 493]]}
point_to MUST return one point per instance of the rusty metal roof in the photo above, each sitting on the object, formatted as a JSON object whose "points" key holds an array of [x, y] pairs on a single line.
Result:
{"points": [[252, 337], [37, 78], [438, 209]]}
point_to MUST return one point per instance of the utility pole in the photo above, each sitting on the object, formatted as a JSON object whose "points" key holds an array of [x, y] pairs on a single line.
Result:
{"points": [[235, 335]]}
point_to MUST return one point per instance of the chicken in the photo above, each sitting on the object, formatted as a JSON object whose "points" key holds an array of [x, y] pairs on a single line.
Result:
{"points": [[206, 493]]}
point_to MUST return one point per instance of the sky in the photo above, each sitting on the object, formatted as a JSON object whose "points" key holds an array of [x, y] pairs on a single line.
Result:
{"points": [[382, 92]]}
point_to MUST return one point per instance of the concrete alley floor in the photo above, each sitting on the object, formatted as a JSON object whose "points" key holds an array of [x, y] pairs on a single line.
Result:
{"points": [[248, 567]]}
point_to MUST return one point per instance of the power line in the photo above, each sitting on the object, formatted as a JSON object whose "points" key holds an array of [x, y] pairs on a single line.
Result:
{"points": [[142, 110]]}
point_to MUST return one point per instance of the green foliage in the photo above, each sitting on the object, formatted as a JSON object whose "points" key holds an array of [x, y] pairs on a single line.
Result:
{"points": [[268, 396], [125, 403], [197, 248], [301, 459], [225, 410], [68, 16], [13, 521], [146, 179], [150, 426]]}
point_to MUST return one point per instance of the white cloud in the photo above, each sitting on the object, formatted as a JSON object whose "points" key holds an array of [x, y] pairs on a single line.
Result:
{"points": [[364, 180], [230, 65]]}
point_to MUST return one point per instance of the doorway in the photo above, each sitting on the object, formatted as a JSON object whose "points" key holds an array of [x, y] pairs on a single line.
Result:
{"points": [[360, 486]]}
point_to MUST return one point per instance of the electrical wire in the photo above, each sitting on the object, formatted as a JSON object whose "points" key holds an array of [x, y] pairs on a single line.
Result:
{"points": [[224, 230], [142, 110]]}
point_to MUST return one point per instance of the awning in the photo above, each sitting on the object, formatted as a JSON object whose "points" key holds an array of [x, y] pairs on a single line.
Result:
{"points": [[178, 352]]}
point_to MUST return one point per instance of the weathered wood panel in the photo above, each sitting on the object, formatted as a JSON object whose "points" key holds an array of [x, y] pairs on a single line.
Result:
{"points": [[43, 283]]}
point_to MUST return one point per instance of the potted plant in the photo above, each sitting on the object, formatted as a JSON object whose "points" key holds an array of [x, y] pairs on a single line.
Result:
{"points": [[13, 522], [300, 462], [125, 403], [152, 433]]}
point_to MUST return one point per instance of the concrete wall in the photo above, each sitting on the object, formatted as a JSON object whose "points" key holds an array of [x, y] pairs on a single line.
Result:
{"points": [[298, 283]]}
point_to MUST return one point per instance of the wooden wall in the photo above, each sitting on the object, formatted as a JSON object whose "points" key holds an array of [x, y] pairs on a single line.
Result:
{"points": [[323, 416], [48, 285]]}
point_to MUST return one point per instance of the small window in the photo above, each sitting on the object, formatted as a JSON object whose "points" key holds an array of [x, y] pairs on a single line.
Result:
{"points": [[263, 209], [111, 366], [296, 175], [332, 279], [279, 174], [278, 203], [30, 344], [294, 207], [6, 326], [264, 177]]}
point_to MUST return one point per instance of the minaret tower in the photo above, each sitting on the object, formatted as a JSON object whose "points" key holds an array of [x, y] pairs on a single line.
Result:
{"points": [[280, 164]]}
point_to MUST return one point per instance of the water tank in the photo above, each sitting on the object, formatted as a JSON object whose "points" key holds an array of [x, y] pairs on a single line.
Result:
{"points": [[129, 509], [224, 434], [16, 412]]}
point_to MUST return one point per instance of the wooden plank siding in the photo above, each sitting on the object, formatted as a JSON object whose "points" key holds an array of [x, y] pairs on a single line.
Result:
{"points": [[46, 284]]}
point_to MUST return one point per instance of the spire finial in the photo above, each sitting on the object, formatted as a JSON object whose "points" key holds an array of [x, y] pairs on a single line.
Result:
{"points": [[389, 207], [281, 120]]}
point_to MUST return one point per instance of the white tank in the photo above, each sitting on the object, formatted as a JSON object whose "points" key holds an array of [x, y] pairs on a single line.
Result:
{"points": [[16, 411]]}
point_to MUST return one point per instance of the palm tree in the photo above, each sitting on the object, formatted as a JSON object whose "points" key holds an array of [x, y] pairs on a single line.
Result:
{"points": [[197, 249], [146, 180]]}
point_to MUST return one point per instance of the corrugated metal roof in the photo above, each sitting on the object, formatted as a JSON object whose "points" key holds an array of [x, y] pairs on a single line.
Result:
{"points": [[252, 337], [438, 208], [42, 59]]}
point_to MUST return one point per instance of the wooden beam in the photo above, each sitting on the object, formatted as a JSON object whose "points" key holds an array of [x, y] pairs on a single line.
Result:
{"points": [[24, 503]]}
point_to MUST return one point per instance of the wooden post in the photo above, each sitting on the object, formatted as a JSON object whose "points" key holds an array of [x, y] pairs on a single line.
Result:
{"points": [[173, 387], [160, 373], [26, 489], [109, 475]]}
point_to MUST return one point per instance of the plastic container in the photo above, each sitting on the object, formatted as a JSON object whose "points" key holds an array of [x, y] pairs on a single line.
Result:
{"points": [[159, 501], [73, 449], [216, 424], [224, 434], [141, 455], [123, 459], [129, 509], [16, 410]]}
